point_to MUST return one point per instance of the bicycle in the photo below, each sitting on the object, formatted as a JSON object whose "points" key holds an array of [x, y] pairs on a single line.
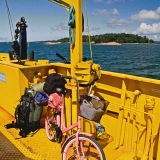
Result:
{"points": [[80, 145]]}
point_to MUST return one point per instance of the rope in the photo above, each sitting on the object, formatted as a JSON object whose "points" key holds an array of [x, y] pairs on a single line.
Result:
{"points": [[9, 19], [88, 30]]}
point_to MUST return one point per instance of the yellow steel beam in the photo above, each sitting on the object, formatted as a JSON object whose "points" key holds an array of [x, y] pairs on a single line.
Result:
{"points": [[76, 50]]}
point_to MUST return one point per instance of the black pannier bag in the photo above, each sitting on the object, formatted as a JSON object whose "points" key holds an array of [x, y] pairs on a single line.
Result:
{"points": [[53, 81], [92, 107]]}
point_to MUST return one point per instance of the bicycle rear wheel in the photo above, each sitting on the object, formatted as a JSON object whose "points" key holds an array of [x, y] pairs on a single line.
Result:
{"points": [[49, 126], [89, 149]]}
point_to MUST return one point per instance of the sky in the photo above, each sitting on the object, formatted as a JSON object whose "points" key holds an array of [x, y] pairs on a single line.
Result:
{"points": [[47, 21]]}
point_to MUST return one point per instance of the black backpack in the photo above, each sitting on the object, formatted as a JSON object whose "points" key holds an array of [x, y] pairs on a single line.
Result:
{"points": [[27, 114], [23, 114], [52, 82]]}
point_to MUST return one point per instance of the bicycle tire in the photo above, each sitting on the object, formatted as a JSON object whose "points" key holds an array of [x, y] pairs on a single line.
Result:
{"points": [[50, 130], [91, 148]]}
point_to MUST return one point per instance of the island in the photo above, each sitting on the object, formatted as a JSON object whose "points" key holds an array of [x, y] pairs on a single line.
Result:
{"points": [[112, 39]]}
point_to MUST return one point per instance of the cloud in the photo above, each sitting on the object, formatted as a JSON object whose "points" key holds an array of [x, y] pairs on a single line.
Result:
{"points": [[114, 11], [145, 15], [113, 23], [148, 29], [112, 1], [60, 27], [158, 10], [104, 12], [155, 37]]}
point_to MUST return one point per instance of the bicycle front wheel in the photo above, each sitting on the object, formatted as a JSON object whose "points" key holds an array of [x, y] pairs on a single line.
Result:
{"points": [[88, 148]]}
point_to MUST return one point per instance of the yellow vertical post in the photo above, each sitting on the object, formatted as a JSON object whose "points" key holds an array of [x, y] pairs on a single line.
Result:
{"points": [[74, 106], [120, 117], [150, 103], [76, 49], [158, 150], [68, 108]]}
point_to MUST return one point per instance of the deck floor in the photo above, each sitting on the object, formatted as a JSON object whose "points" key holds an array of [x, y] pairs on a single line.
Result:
{"points": [[34, 146], [37, 146]]}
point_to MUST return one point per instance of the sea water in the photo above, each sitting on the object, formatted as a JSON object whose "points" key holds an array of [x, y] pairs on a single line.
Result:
{"points": [[134, 59]]}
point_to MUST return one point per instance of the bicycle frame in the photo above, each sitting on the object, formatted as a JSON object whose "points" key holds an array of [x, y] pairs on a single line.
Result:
{"points": [[60, 122], [65, 129]]}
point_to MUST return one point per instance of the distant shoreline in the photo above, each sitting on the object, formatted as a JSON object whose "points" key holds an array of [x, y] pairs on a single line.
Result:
{"points": [[117, 44], [107, 44], [111, 43], [51, 43]]}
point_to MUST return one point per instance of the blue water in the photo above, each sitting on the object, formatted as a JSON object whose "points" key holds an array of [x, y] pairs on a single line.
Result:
{"points": [[134, 59]]}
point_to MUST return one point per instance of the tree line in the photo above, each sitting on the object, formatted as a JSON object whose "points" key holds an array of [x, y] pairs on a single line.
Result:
{"points": [[113, 37]]}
